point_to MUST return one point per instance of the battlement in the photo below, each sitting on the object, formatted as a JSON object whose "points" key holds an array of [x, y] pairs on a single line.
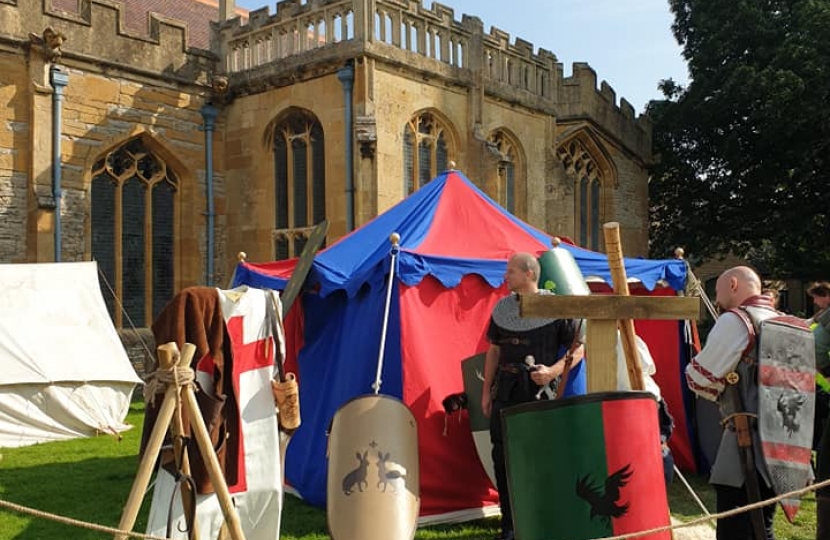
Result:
{"points": [[295, 28], [579, 94], [97, 31], [444, 47], [431, 32], [141, 17]]}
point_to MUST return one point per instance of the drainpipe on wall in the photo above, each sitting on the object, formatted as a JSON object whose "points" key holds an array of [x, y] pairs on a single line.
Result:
{"points": [[209, 114], [58, 79], [346, 77]]}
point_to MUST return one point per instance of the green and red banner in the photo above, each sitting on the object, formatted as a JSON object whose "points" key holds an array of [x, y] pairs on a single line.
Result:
{"points": [[586, 467]]}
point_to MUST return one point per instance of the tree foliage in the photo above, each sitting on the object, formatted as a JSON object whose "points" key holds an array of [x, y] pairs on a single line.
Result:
{"points": [[744, 149]]}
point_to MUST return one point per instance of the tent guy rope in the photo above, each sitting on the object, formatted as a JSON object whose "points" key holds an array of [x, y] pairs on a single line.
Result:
{"points": [[735, 511]]}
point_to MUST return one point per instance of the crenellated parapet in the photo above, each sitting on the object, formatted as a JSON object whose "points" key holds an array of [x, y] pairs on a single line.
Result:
{"points": [[284, 46], [579, 98], [394, 28], [95, 31], [294, 29]]}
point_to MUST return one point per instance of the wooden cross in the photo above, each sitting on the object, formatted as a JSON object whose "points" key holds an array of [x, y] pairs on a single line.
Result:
{"points": [[603, 314]]}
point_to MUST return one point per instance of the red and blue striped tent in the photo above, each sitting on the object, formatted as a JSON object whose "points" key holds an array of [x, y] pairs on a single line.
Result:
{"points": [[454, 246]]}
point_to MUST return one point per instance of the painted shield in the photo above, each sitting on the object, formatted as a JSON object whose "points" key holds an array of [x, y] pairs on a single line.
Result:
{"points": [[586, 467], [472, 370], [373, 484], [786, 404]]}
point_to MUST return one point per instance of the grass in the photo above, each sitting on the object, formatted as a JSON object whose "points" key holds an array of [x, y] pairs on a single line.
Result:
{"points": [[90, 479]]}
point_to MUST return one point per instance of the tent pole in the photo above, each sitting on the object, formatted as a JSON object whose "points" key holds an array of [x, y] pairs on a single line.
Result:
{"points": [[395, 238]]}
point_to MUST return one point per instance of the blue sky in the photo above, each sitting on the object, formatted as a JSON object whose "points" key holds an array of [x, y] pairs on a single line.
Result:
{"points": [[628, 42]]}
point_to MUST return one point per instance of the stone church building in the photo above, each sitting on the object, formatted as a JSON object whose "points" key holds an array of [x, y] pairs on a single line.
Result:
{"points": [[162, 137]]}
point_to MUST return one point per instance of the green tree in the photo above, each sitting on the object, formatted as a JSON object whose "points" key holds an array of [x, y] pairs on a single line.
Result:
{"points": [[744, 149]]}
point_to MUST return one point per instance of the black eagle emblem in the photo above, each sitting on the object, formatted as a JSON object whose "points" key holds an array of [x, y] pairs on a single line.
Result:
{"points": [[604, 503], [789, 407]]}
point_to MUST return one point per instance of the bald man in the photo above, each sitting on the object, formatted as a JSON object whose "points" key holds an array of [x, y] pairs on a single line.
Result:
{"points": [[738, 295]]}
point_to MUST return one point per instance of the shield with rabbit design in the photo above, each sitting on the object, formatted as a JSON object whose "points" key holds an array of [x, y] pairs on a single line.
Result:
{"points": [[373, 479]]}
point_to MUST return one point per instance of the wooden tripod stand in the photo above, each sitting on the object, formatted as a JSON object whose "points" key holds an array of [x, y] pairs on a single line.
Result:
{"points": [[179, 393]]}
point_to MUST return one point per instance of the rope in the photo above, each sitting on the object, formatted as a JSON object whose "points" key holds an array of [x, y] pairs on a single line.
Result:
{"points": [[158, 380], [694, 495], [147, 352], [76, 523], [729, 513]]}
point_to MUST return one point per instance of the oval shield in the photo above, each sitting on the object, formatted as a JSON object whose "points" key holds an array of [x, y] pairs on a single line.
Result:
{"points": [[373, 478]]}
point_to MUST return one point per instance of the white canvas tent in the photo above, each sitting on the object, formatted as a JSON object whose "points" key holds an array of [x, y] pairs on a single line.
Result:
{"points": [[63, 370]]}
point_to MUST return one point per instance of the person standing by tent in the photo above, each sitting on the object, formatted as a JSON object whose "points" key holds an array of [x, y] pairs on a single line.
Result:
{"points": [[523, 357], [820, 323], [709, 375], [664, 418]]}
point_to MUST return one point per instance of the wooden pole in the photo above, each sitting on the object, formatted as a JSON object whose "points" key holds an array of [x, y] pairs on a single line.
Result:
{"points": [[182, 457], [168, 353], [613, 248], [151, 451], [199, 429]]}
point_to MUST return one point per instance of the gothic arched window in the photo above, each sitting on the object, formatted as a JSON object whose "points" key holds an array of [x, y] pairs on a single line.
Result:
{"points": [[132, 218], [299, 181], [425, 151], [582, 167], [510, 174]]}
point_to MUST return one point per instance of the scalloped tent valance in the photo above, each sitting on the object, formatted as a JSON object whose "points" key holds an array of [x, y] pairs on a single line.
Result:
{"points": [[449, 229]]}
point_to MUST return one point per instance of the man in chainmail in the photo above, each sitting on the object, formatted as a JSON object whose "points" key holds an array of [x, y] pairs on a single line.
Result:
{"points": [[526, 359]]}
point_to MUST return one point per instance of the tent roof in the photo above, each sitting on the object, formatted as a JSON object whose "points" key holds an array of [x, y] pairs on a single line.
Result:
{"points": [[448, 229]]}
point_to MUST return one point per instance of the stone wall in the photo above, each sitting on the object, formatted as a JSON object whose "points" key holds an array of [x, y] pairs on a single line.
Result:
{"points": [[579, 97], [396, 99], [247, 162], [407, 59], [12, 216], [629, 200], [96, 34], [120, 86], [100, 112], [410, 58], [140, 346], [14, 132]]}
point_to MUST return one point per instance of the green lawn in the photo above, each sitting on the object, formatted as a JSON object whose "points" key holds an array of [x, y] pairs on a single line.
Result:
{"points": [[90, 479]]}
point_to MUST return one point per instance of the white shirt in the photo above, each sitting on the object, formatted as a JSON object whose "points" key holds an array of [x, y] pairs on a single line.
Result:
{"points": [[725, 345], [647, 366]]}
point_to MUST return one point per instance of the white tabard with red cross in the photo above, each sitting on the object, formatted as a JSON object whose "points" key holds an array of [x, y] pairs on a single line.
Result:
{"points": [[257, 495]]}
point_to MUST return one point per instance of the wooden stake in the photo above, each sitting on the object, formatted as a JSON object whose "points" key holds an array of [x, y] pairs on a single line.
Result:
{"points": [[613, 248], [151, 451], [188, 493], [199, 429]]}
